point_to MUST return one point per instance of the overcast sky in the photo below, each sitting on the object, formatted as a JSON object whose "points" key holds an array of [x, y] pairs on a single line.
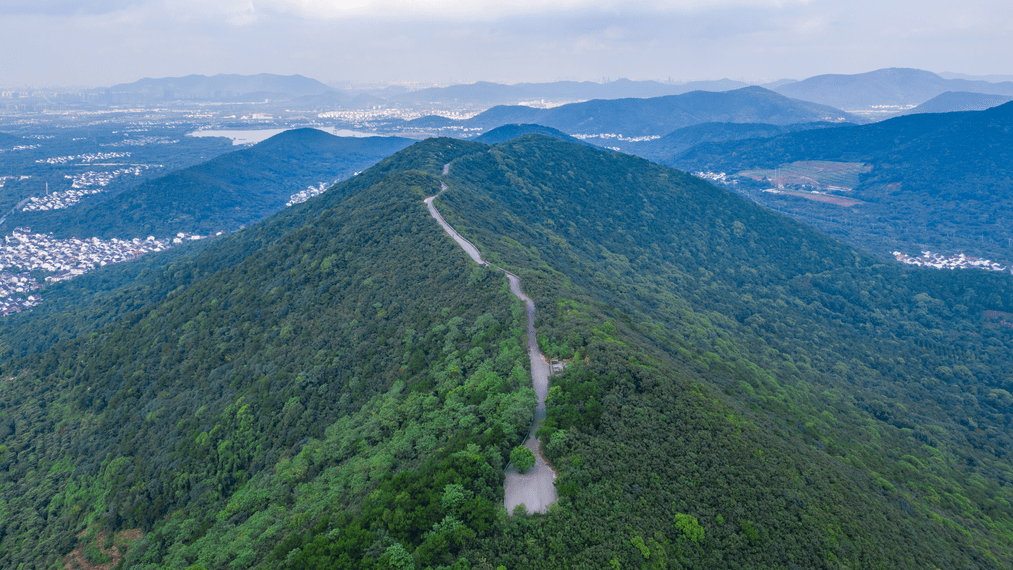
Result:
{"points": [[104, 42]]}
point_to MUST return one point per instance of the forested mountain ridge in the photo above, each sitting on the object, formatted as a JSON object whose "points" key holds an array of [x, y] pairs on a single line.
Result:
{"points": [[338, 387], [222, 87], [854, 361], [891, 86], [937, 181], [326, 286], [658, 116], [508, 132], [960, 101], [222, 194], [678, 141], [486, 93]]}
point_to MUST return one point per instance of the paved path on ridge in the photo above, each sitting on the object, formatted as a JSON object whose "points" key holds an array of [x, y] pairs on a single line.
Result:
{"points": [[535, 489]]}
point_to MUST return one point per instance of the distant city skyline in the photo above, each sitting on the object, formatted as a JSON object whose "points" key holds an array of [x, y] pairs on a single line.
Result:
{"points": [[98, 43]]}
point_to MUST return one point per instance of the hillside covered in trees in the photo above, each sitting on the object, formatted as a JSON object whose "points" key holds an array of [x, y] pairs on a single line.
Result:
{"points": [[339, 386], [222, 194], [938, 181], [658, 116]]}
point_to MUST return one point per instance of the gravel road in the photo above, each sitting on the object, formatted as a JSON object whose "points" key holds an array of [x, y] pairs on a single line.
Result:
{"points": [[535, 489]]}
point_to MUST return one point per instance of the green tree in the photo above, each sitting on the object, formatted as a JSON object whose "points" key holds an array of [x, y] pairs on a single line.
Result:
{"points": [[689, 526], [522, 458], [400, 558]]}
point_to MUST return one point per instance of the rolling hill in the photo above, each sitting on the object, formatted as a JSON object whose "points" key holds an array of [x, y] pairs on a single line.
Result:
{"points": [[960, 101], [223, 194], [484, 93], [9, 140], [339, 386], [508, 132], [938, 182], [893, 86], [661, 115], [681, 140], [222, 87]]}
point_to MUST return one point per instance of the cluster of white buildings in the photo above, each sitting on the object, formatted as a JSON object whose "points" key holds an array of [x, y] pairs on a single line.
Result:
{"points": [[11, 284], [40, 252], [24, 251], [58, 200], [182, 237], [309, 192], [715, 177], [79, 187], [92, 178], [141, 141], [20, 147], [940, 261], [617, 137], [4, 179], [359, 116], [15, 292], [91, 157]]}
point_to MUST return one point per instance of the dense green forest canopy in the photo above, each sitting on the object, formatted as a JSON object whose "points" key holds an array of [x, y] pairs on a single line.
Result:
{"points": [[8, 139], [680, 140], [339, 386], [938, 181], [510, 132], [222, 194]]}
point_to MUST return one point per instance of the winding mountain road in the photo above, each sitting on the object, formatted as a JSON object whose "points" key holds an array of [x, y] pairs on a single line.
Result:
{"points": [[535, 489]]}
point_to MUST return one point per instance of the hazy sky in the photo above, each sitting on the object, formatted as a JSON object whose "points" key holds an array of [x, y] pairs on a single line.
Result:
{"points": [[104, 42]]}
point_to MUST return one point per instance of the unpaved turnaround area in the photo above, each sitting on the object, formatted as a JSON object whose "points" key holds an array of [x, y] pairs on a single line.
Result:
{"points": [[534, 489]]}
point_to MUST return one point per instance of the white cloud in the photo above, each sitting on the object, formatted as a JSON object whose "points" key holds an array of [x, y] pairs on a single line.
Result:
{"points": [[485, 10], [116, 41]]}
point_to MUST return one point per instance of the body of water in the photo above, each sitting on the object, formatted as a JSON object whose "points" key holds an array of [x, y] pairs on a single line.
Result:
{"points": [[254, 136]]}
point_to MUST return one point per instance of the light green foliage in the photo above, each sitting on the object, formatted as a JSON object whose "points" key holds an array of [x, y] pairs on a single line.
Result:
{"points": [[638, 543], [689, 526], [522, 458], [399, 558]]}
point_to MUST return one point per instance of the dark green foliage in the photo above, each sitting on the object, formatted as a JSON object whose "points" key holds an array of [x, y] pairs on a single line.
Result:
{"points": [[680, 140], [95, 299], [340, 387], [745, 367], [509, 132], [278, 360]]}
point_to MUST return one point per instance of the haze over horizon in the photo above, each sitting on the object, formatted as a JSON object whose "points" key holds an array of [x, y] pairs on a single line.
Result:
{"points": [[105, 42]]}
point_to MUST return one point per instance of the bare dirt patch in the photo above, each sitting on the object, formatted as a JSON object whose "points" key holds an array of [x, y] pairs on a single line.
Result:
{"points": [[95, 552], [825, 198]]}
